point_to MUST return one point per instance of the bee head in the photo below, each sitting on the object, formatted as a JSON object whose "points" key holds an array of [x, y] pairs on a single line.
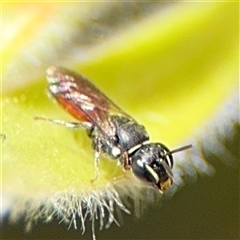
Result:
{"points": [[152, 163]]}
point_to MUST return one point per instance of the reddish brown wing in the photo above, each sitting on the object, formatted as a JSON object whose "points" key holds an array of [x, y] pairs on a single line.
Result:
{"points": [[82, 99]]}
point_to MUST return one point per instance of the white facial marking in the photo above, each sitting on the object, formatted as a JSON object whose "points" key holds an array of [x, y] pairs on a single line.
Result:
{"points": [[153, 173], [168, 169]]}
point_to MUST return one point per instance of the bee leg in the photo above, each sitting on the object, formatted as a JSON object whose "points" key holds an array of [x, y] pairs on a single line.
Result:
{"points": [[85, 125], [96, 166], [125, 161]]}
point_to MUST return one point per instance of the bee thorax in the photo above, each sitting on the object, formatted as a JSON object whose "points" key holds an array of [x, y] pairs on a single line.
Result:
{"points": [[116, 152]]}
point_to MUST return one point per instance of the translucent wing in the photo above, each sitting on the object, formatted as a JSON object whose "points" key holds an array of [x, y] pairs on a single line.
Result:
{"points": [[82, 99]]}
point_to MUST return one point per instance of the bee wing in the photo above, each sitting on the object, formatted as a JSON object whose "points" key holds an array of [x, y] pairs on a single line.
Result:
{"points": [[82, 99]]}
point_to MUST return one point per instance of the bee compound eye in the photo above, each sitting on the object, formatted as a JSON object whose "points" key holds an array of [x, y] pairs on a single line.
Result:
{"points": [[144, 172]]}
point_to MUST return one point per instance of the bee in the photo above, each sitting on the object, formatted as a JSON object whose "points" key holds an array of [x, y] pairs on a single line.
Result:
{"points": [[112, 131]]}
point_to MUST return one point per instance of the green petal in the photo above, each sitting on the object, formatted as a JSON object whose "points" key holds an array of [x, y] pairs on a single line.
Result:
{"points": [[171, 72]]}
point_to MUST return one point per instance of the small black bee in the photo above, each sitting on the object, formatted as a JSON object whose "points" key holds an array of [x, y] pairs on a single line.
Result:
{"points": [[113, 132]]}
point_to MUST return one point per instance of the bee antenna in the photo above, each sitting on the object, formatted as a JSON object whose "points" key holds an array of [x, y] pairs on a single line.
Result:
{"points": [[181, 149]]}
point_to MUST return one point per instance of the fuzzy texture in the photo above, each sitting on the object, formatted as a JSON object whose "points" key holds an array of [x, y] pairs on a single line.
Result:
{"points": [[172, 74]]}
